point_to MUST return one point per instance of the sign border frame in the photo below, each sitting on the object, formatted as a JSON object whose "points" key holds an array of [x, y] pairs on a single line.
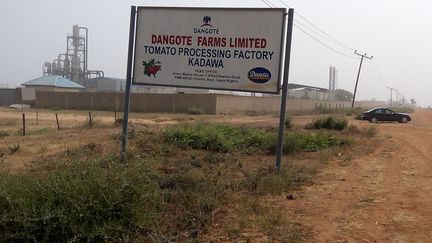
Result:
{"points": [[284, 13]]}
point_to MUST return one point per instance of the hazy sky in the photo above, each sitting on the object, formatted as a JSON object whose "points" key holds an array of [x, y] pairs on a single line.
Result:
{"points": [[397, 33]]}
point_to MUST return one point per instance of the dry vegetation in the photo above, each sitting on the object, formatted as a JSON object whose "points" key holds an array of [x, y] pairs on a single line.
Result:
{"points": [[185, 178]]}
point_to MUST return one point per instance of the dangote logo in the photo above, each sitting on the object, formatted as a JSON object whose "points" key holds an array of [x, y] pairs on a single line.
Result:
{"points": [[206, 21], [207, 27], [259, 75]]}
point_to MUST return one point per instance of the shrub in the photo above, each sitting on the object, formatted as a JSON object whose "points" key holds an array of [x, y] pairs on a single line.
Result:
{"points": [[354, 129], [118, 122], [358, 117], [195, 111], [268, 180], [192, 194], [370, 131], [3, 134], [83, 202], [329, 122], [288, 123], [14, 148]]}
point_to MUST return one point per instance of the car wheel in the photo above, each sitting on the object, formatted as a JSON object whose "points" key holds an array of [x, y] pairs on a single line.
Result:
{"points": [[374, 120], [404, 120]]}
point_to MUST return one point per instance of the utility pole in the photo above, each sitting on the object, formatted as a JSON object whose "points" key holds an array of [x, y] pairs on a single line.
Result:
{"points": [[358, 74], [397, 96], [391, 95]]}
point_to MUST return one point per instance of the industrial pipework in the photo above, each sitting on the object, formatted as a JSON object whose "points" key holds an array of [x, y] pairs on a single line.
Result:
{"points": [[73, 64]]}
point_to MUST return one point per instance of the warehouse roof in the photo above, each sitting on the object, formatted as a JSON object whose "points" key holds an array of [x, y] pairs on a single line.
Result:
{"points": [[306, 87], [53, 81]]}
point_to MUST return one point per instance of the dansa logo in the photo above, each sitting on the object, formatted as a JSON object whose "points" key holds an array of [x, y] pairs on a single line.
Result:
{"points": [[259, 75]]}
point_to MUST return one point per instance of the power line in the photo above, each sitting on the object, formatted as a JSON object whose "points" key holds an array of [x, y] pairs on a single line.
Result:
{"points": [[319, 29], [375, 76], [271, 5], [316, 27], [268, 3], [322, 43], [378, 72], [314, 31]]}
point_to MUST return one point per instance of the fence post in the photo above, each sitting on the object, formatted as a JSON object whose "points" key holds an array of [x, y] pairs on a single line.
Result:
{"points": [[24, 126], [58, 125], [90, 119]]}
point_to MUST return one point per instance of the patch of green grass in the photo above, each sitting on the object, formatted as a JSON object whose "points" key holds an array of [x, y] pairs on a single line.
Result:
{"points": [[305, 142], [216, 137], [329, 122], [228, 138]]}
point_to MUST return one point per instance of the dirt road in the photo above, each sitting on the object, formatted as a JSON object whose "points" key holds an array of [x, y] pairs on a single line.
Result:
{"points": [[385, 196]]}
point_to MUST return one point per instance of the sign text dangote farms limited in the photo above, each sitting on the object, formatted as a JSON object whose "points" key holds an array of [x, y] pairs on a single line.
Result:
{"points": [[204, 57]]}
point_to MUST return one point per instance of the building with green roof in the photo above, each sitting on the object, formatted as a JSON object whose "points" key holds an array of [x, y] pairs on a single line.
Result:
{"points": [[53, 84]]}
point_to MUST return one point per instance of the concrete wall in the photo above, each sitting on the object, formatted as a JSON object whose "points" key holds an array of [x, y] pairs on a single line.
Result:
{"points": [[227, 104], [8, 96], [52, 89], [175, 103], [182, 103]]}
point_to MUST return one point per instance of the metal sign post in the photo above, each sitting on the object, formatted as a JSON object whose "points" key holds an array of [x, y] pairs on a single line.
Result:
{"points": [[128, 82], [284, 90]]}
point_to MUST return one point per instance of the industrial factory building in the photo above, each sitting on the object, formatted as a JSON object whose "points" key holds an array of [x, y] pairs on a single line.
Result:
{"points": [[7, 96], [73, 63], [306, 92]]}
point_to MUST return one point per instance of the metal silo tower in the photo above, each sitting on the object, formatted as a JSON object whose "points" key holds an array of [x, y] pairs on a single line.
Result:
{"points": [[73, 64]]}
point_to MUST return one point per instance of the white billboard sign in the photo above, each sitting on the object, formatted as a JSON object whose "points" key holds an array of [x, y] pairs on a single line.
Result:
{"points": [[28, 93], [210, 48]]}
